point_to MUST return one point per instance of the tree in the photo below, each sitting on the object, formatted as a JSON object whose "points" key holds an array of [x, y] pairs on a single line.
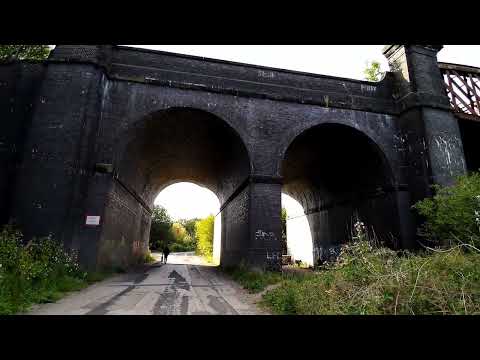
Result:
{"points": [[160, 231], [24, 52], [204, 229], [284, 232], [189, 225], [372, 72], [179, 232]]}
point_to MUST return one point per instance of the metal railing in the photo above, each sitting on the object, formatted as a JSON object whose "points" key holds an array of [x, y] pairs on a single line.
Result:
{"points": [[463, 89]]}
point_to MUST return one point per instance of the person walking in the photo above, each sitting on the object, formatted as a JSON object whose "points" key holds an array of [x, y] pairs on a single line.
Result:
{"points": [[166, 251]]}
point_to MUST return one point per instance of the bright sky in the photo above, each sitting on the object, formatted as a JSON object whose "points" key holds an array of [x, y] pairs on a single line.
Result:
{"points": [[188, 201]]}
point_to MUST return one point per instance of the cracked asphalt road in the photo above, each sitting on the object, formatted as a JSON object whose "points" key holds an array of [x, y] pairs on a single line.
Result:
{"points": [[184, 286]]}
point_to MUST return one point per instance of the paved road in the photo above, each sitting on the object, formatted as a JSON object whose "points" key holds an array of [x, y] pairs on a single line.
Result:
{"points": [[183, 286]]}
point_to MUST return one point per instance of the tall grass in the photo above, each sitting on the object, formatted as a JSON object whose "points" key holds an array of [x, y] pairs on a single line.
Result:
{"points": [[374, 280]]}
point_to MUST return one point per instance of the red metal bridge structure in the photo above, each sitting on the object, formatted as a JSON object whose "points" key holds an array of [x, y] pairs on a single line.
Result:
{"points": [[462, 84]]}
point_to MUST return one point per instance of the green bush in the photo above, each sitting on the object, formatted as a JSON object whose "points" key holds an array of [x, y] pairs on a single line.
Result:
{"points": [[183, 241], [176, 247], [204, 230], [452, 215], [40, 271], [253, 281]]}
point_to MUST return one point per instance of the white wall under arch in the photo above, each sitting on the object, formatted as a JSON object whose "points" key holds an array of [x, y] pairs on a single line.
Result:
{"points": [[299, 237]]}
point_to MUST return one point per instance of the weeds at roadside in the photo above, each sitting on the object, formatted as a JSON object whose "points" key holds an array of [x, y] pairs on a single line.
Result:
{"points": [[39, 272]]}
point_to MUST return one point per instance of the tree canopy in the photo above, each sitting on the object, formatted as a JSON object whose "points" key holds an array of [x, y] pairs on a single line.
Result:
{"points": [[160, 231], [373, 72], [24, 52]]}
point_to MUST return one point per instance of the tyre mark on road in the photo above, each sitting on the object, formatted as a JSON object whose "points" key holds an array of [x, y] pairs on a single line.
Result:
{"points": [[165, 304], [218, 303], [102, 309]]}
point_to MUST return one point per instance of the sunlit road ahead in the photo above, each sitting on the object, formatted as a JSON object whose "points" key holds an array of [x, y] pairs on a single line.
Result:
{"points": [[186, 285]]}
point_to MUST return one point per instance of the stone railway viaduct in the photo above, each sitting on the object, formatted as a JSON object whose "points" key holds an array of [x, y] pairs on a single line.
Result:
{"points": [[100, 130]]}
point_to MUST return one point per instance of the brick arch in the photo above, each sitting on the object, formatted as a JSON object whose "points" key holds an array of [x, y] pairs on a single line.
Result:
{"points": [[166, 147], [167, 124], [348, 126], [338, 173]]}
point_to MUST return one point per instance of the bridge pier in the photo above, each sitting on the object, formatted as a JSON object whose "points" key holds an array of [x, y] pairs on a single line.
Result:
{"points": [[425, 115], [251, 224], [434, 154], [265, 223]]}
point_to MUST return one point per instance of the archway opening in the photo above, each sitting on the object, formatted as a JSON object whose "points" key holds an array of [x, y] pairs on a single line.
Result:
{"points": [[340, 176], [162, 149], [189, 223], [470, 132]]}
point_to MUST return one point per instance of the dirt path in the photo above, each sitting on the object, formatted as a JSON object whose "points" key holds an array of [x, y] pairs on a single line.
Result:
{"points": [[186, 285]]}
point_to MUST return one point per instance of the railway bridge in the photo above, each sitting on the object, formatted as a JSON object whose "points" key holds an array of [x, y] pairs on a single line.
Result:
{"points": [[89, 137]]}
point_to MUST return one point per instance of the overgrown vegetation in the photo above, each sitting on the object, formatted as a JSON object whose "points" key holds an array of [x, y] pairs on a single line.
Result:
{"points": [[204, 231], [373, 281], [38, 272], [24, 52], [253, 281], [452, 216], [367, 278]]}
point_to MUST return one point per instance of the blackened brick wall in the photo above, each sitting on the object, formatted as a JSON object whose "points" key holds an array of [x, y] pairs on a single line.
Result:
{"points": [[19, 83]]}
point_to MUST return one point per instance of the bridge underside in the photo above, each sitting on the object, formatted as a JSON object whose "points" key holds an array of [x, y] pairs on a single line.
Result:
{"points": [[340, 177], [168, 147]]}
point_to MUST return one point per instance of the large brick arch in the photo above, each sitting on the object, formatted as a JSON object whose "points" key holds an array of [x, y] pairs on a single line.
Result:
{"points": [[380, 130], [183, 132], [162, 148], [340, 175]]}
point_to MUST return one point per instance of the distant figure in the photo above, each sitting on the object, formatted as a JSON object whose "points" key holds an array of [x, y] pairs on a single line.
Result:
{"points": [[166, 251]]}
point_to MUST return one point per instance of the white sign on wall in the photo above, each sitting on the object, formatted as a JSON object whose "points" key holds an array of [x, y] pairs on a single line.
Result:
{"points": [[93, 220]]}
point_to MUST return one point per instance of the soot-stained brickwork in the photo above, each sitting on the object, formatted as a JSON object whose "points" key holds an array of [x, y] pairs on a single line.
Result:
{"points": [[99, 130]]}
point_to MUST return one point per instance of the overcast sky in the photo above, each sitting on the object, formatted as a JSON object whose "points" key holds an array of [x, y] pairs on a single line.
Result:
{"points": [[188, 200]]}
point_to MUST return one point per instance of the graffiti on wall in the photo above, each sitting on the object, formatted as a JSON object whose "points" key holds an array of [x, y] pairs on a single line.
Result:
{"points": [[269, 241]]}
